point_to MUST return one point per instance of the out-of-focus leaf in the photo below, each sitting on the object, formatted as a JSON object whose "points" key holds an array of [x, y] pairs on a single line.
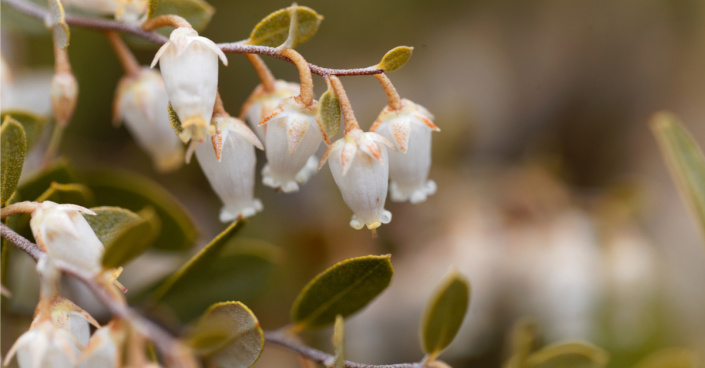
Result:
{"points": [[444, 314], [228, 335], [33, 124], [134, 192], [196, 12], [329, 114], [670, 358], [521, 342], [226, 268], [68, 193], [395, 58], [568, 354], [273, 30], [13, 146], [343, 289], [10, 18], [60, 171], [58, 25], [339, 341], [685, 161], [124, 233]]}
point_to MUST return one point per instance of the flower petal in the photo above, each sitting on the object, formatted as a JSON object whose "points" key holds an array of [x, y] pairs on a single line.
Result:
{"points": [[274, 113], [242, 129], [400, 129], [331, 148], [379, 138], [213, 47], [427, 121], [159, 53], [347, 155], [295, 131], [217, 140]]}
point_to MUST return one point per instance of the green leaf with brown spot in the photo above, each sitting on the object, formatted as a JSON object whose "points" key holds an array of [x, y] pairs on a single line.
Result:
{"points": [[13, 146], [329, 114], [135, 192], [228, 335], [568, 354], [124, 234], [273, 30], [68, 193], [343, 289], [226, 269], [196, 12], [395, 58], [33, 124], [444, 314]]}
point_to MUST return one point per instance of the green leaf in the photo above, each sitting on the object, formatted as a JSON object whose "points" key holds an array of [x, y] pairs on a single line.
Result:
{"points": [[568, 354], [228, 335], [60, 171], [33, 124], [343, 289], [395, 58], [522, 340], [135, 192], [226, 268], [685, 161], [124, 233], [444, 314], [273, 30], [57, 22], [68, 193], [196, 12], [339, 341], [329, 114], [670, 358], [13, 144]]}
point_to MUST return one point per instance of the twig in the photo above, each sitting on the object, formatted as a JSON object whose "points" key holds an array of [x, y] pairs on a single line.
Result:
{"points": [[20, 242], [278, 338], [100, 24]]}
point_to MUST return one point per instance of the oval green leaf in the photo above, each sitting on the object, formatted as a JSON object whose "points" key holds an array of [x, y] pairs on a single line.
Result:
{"points": [[226, 268], [685, 161], [135, 192], [58, 25], [568, 354], [343, 289], [33, 124], [273, 30], [329, 114], [13, 142], [68, 193], [395, 58], [196, 12], [124, 233], [228, 335], [670, 358], [444, 314]]}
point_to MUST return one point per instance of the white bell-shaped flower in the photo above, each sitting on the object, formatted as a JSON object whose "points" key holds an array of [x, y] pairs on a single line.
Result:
{"points": [[410, 129], [105, 347], [262, 103], [360, 167], [189, 66], [62, 232], [45, 345], [229, 165], [293, 134], [68, 316], [142, 102], [128, 11]]}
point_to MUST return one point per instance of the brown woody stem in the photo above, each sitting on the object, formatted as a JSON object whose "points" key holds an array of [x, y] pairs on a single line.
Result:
{"points": [[345, 106], [127, 59], [306, 93], [393, 98]]}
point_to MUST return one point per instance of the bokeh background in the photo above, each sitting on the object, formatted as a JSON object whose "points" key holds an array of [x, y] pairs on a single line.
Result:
{"points": [[552, 195]]}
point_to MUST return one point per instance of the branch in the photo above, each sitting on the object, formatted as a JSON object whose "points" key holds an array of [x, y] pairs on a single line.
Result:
{"points": [[101, 24], [20, 242], [277, 338]]}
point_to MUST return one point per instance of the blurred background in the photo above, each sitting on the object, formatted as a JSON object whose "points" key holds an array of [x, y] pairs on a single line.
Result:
{"points": [[552, 195]]}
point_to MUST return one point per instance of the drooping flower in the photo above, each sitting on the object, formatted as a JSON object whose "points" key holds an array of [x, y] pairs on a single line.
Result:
{"points": [[45, 345], [293, 135], [62, 232], [68, 316], [128, 11], [143, 103], [360, 167], [410, 129], [230, 168], [105, 347], [189, 66], [262, 103]]}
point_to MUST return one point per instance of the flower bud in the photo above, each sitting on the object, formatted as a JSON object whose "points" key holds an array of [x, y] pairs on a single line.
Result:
{"points": [[360, 168], [189, 66], [142, 102], [293, 135], [64, 94], [45, 346], [128, 11], [231, 172], [410, 129], [62, 232], [262, 103]]}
